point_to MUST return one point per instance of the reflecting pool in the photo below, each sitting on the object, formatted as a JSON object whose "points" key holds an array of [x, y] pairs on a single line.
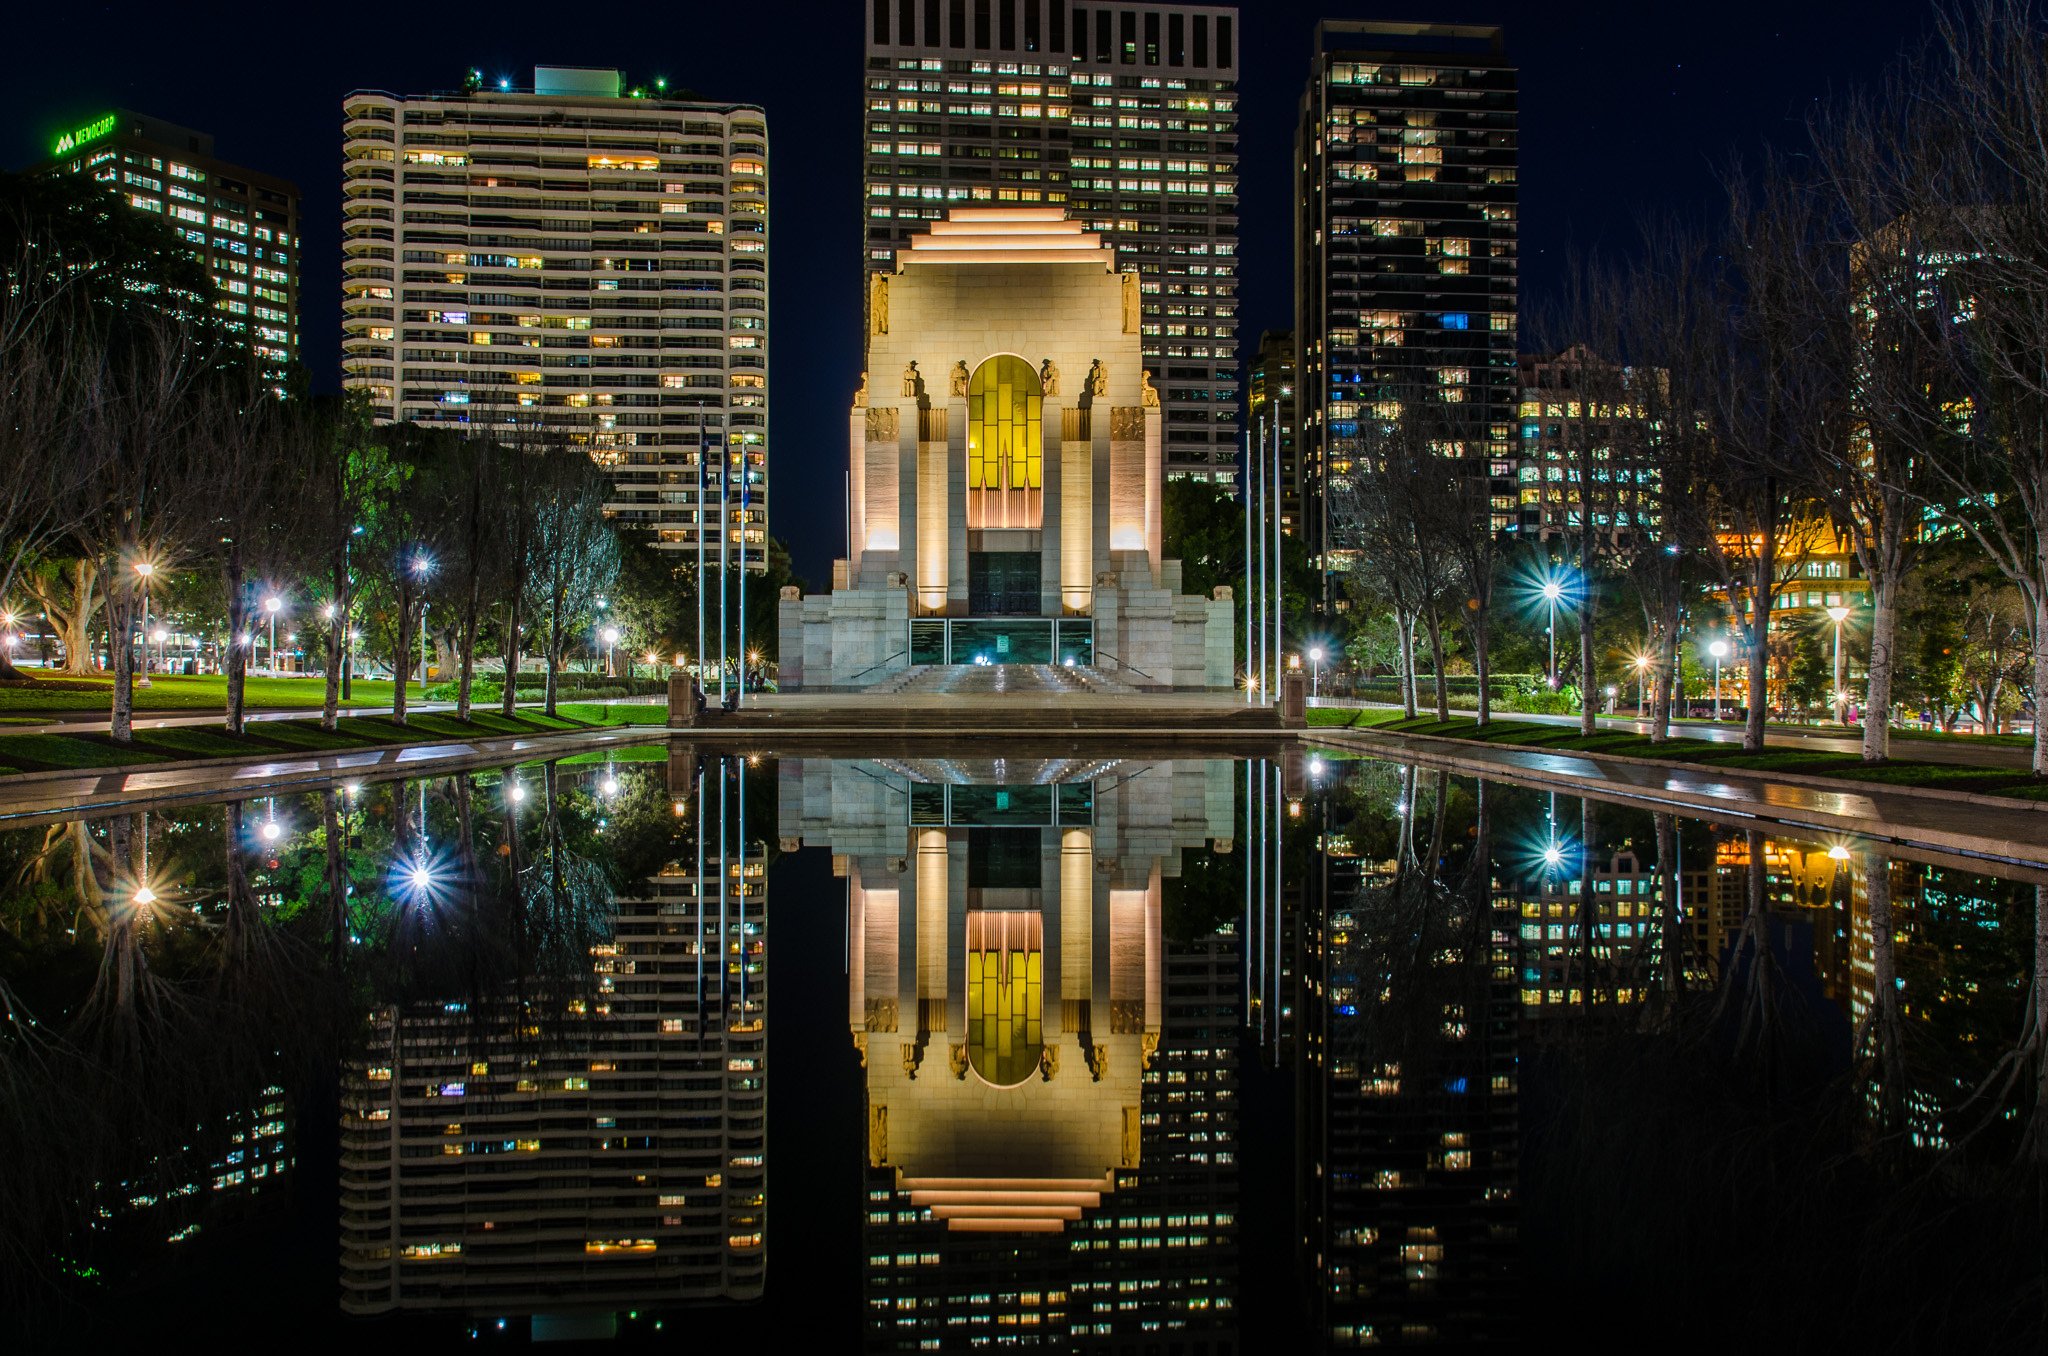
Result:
{"points": [[1056, 1048]]}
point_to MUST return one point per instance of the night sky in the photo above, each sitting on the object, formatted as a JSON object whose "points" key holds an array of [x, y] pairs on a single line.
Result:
{"points": [[1626, 108]]}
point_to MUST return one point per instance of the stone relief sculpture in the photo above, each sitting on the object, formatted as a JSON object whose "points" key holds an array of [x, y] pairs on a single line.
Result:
{"points": [[1049, 377], [912, 379], [860, 397], [960, 380], [1148, 395], [1131, 303], [878, 303], [1098, 378]]}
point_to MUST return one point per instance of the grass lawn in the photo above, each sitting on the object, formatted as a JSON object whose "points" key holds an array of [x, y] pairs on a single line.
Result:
{"points": [[591, 713], [1700, 752], [1339, 715], [263, 739], [61, 693]]}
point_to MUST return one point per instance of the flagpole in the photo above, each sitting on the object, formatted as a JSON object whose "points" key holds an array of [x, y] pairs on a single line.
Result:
{"points": [[724, 554], [1278, 574], [743, 586], [1264, 574], [700, 553], [1244, 489]]}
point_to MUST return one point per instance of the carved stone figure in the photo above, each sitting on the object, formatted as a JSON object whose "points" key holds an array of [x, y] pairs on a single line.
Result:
{"points": [[1148, 395], [1131, 304], [878, 303], [1048, 1063], [960, 380], [1049, 377], [911, 379], [860, 397], [1098, 1063], [956, 1060], [1098, 378]]}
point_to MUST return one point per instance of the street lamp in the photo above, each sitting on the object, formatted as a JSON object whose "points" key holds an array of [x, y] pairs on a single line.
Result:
{"points": [[1612, 692], [160, 636], [1552, 591], [422, 565], [147, 570], [1315, 671], [271, 605], [1838, 614], [611, 638], [1642, 673], [1719, 649]]}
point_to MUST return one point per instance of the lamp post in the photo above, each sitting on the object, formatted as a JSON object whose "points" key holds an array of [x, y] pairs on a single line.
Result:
{"points": [[1315, 671], [1612, 693], [422, 565], [1719, 649], [270, 606], [1552, 591], [611, 640], [160, 636], [1838, 614], [1642, 673], [147, 570]]}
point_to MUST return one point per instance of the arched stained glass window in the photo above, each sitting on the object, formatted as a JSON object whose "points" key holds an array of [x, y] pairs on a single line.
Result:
{"points": [[1005, 995], [1005, 444]]}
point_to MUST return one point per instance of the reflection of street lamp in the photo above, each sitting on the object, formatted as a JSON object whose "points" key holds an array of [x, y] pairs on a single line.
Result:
{"points": [[146, 569], [1719, 649], [1838, 614]]}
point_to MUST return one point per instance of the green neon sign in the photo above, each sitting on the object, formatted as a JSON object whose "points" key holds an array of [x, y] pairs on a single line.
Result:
{"points": [[92, 131]]}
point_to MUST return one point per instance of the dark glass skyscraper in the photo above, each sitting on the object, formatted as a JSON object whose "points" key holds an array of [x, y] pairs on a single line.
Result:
{"points": [[1405, 218]]}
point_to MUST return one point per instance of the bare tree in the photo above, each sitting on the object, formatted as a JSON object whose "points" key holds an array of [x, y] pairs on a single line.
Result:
{"points": [[575, 555]]}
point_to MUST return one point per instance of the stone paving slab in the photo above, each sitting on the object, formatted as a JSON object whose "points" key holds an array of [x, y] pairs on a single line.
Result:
{"points": [[1968, 826]]}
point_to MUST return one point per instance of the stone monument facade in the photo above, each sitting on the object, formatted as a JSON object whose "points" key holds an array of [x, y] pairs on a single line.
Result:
{"points": [[1000, 513]]}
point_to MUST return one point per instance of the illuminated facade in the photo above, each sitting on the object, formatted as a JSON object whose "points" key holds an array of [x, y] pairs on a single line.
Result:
{"points": [[1578, 410], [1124, 114], [1005, 473], [581, 263], [1405, 247], [573, 1165], [243, 225], [1051, 1083]]}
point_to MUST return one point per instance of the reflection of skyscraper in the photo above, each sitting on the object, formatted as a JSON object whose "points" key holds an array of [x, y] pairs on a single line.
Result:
{"points": [[1051, 1086], [1409, 1095], [1563, 967], [500, 1158]]}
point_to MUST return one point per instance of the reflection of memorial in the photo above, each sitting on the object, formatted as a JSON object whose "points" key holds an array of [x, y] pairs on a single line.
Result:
{"points": [[1005, 473], [572, 1152], [1050, 1127]]}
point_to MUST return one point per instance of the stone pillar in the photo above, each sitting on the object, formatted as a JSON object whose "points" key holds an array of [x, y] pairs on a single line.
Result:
{"points": [[682, 707], [1294, 698]]}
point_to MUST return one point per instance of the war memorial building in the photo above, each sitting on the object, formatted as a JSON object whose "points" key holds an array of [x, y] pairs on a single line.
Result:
{"points": [[1005, 475]]}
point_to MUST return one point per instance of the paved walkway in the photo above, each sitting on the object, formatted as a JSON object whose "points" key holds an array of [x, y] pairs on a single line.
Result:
{"points": [[1962, 753], [40, 797], [1966, 826], [88, 723]]}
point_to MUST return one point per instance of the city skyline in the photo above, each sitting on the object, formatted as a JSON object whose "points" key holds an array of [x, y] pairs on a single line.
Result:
{"points": [[1690, 93]]}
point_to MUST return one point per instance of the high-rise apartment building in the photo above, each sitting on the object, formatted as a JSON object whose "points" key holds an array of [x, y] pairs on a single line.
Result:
{"points": [[1405, 223], [582, 261], [243, 225], [1126, 115], [1270, 399]]}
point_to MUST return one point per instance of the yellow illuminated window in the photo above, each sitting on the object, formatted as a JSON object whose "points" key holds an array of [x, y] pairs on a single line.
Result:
{"points": [[1004, 995], [1005, 443]]}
